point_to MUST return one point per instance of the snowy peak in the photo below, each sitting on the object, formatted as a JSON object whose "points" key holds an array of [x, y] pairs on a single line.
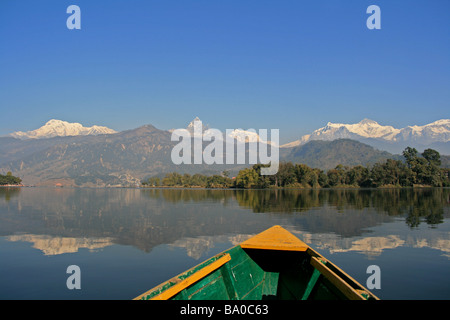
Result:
{"points": [[438, 131], [365, 128], [196, 126], [59, 128], [366, 121], [442, 122], [239, 135]]}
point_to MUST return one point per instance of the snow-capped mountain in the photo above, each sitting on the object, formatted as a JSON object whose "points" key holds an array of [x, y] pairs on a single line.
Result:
{"points": [[372, 132], [59, 128], [197, 126], [438, 131], [240, 135], [194, 127]]}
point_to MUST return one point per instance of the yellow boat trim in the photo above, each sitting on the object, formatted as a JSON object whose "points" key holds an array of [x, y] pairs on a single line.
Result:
{"points": [[344, 287], [170, 292], [275, 238]]}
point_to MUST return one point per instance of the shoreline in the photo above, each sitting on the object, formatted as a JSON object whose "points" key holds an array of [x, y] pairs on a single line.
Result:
{"points": [[13, 186], [342, 187], [293, 188]]}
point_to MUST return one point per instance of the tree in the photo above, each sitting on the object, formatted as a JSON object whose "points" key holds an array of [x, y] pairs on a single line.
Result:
{"points": [[264, 181], [431, 174], [307, 176], [286, 174], [247, 178], [186, 180], [312, 178], [411, 156], [301, 173], [9, 179], [357, 176], [153, 181], [173, 179], [432, 156], [425, 169], [322, 179], [198, 180], [336, 176], [391, 172]]}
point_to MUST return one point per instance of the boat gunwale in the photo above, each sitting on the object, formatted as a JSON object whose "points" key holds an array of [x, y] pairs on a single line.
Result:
{"points": [[341, 273], [185, 279], [192, 275]]}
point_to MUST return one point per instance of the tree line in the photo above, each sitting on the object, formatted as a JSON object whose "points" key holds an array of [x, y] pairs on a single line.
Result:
{"points": [[9, 179], [176, 179], [416, 169]]}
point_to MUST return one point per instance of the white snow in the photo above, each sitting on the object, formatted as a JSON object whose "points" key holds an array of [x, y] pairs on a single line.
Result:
{"points": [[59, 128], [437, 131]]}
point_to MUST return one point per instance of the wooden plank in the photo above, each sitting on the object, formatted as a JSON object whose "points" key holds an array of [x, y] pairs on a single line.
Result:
{"points": [[270, 284], [247, 275], [344, 275], [275, 238], [343, 286], [228, 280], [183, 284], [212, 289], [311, 284]]}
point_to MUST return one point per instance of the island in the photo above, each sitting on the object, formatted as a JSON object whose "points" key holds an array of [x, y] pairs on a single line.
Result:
{"points": [[10, 180]]}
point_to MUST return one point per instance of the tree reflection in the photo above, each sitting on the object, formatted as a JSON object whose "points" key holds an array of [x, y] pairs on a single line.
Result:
{"points": [[149, 217], [416, 204], [9, 192], [176, 195]]}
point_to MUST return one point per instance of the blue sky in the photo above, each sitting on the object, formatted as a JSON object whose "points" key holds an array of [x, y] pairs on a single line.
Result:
{"points": [[286, 64]]}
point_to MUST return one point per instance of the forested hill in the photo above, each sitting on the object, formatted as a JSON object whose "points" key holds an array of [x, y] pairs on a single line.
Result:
{"points": [[328, 154]]}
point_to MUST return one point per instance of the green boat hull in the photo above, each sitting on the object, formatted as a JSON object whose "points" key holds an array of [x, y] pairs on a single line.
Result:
{"points": [[261, 274]]}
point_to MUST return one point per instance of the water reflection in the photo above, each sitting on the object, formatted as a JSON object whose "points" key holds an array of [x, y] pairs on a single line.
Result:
{"points": [[7, 193], [64, 220], [52, 245], [420, 205]]}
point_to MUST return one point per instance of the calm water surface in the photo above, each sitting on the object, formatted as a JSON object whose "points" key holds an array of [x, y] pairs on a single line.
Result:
{"points": [[126, 241]]}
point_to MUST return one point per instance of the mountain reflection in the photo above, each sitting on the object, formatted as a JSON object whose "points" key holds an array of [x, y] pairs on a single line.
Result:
{"points": [[57, 245], [63, 220]]}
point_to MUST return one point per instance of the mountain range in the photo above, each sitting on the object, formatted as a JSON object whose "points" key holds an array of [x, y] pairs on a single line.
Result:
{"points": [[58, 128], [240, 135], [433, 135], [73, 155]]}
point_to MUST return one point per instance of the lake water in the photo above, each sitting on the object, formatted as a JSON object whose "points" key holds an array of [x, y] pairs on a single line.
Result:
{"points": [[126, 241]]}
